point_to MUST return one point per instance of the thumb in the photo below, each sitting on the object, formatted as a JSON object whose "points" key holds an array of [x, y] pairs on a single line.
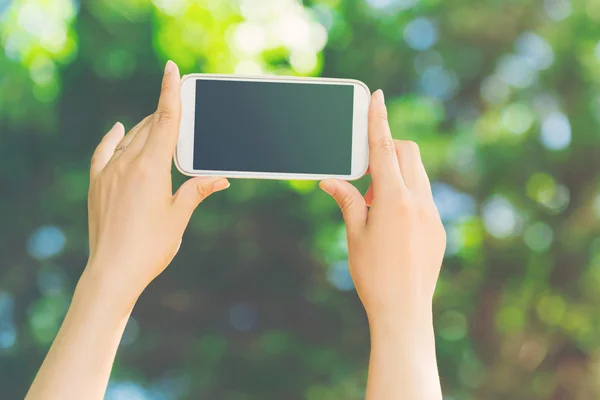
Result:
{"points": [[350, 201], [194, 191]]}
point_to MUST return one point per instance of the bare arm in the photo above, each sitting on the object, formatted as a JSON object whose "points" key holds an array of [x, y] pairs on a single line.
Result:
{"points": [[396, 243], [401, 366], [135, 227], [79, 362]]}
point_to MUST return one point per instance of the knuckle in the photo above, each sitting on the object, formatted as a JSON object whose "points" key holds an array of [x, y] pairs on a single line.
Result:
{"points": [[202, 191], [162, 117], [117, 170], [425, 212], [141, 169], [386, 145], [405, 204], [95, 158], [346, 202]]}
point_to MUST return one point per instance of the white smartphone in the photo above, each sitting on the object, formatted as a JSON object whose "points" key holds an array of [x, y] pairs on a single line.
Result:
{"points": [[273, 127]]}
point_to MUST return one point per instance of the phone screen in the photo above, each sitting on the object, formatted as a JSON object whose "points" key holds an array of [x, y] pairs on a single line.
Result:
{"points": [[273, 127]]}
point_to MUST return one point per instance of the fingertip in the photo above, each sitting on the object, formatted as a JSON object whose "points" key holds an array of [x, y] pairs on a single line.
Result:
{"points": [[328, 186], [221, 184], [170, 67], [115, 133], [119, 127], [377, 109], [378, 97], [170, 80]]}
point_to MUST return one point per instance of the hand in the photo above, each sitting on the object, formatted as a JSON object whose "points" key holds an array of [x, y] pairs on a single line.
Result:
{"points": [[136, 223], [396, 246]]}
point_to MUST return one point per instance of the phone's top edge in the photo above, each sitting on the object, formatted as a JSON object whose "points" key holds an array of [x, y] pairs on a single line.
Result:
{"points": [[275, 78]]}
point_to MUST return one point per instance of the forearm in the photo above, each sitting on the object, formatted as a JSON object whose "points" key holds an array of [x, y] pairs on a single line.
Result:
{"points": [[403, 362], [79, 362]]}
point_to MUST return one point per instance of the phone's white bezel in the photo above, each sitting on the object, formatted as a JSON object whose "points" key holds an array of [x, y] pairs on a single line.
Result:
{"points": [[184, 154]]}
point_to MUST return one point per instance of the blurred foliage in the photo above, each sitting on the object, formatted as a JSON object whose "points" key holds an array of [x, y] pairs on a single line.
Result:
{"points": [[503, 98]]}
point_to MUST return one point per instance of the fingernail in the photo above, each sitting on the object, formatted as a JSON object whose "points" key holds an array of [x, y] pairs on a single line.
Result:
{"points": [[118, 125], [327, 186], [378, 97], [169, 67], [221, 184]]}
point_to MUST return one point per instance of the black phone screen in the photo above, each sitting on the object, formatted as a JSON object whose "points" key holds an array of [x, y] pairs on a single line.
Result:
{"points": [[277, 127]]}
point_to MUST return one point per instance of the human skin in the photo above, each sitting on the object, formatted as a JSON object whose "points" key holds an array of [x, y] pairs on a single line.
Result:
{"points": [[136, 225], [396, 243], [135, 228]]}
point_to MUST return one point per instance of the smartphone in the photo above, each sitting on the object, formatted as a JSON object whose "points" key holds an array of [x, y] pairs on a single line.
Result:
{"points": [[273, 127]]}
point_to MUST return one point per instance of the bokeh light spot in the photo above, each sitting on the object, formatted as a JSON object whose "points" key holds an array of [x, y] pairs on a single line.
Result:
{"points": [[420, 34], [14, 46], [392, 6], [42, 70], [294, 31], [453, 325], [553, 197], [438, 83], [538, 237], [303, 62], [46, 242], [4, 4], [558, 10], [500, 218], [338, 275], [171, 7], [250, 38], [517, 118], [248, 67], [510, 319], [126, 391], [303, 186], [243, 316], [556, 131], [8, 331], [131, 333], [45, 318], [535, 49], [551, 309], [516, 71], [451, 203], [494, 90], [454, 239]]}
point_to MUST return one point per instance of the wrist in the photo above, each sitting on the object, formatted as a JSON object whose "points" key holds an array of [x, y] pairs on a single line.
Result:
{"points": [[414, 328], [412, 340], [112, 294]]}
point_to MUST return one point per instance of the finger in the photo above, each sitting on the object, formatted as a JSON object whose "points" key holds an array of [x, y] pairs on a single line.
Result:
{"points": [[162, 138], [106, 149], [382, 151], [411, 167], [350, 201], [128, 142], [193, 192]]}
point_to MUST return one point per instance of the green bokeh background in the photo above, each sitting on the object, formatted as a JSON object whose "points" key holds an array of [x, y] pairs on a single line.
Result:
{"points": [[503, 98]]}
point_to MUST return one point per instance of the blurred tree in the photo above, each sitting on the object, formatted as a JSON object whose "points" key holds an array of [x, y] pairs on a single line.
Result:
{"points": [[503, 98]]}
